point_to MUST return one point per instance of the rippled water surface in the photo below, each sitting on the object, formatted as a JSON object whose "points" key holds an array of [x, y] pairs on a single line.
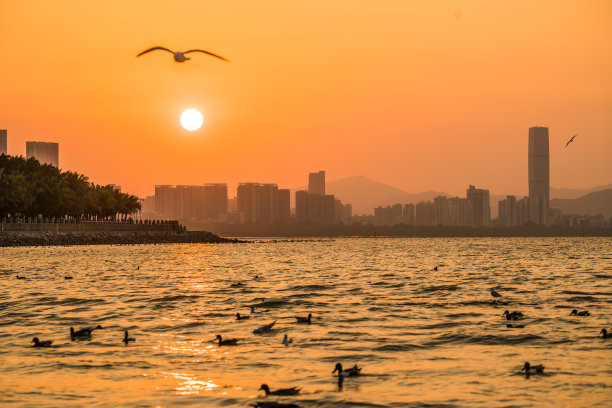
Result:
{"points": [[424, 338]]}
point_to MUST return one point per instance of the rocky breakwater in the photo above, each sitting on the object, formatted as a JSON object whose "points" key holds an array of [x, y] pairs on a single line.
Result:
{"points": [[13, 239]]}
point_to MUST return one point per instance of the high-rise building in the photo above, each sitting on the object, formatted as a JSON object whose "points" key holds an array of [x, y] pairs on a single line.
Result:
{"points": [[263, 203], [215, 201], [408, 214], [316, 183], [479, 198], [460, 212], [507, 212], [424, 213], [3, 141], [440, 208], [45, 153], [539, 174]]}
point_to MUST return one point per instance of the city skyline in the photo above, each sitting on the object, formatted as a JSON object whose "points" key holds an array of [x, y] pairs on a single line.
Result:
{"points": [[460, 89]]}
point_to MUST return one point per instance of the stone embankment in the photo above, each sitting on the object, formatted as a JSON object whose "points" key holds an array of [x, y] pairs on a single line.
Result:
{"points": [[14, 239]]}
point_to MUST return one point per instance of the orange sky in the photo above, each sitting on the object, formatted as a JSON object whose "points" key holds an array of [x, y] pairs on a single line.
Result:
{"points": [[418, 94]]}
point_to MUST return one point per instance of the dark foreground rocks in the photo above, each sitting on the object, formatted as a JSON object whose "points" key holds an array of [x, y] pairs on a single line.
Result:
{"points": [[13, 239]]}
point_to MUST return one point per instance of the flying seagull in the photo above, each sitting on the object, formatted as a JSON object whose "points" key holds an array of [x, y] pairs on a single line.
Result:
{"points": [[571, 140], [180, 56]]}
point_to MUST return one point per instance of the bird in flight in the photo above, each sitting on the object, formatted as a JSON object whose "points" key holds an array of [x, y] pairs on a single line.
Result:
{"points": [[571, 140], [180, 56]]}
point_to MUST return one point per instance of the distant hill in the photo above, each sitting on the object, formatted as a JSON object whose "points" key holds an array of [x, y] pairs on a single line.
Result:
{"points": [[598, 202], [366, 194], [575, 192]]}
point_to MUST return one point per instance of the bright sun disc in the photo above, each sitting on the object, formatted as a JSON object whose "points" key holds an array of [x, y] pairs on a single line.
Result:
{"points": [[191, 119]]}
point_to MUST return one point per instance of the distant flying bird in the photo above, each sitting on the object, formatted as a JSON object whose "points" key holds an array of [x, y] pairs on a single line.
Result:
{"points": [[180, 56], [571, 140]]}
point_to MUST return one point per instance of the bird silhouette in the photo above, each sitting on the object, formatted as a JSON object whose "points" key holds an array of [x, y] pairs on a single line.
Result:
{"points": [[571, 140], [180, 56]]}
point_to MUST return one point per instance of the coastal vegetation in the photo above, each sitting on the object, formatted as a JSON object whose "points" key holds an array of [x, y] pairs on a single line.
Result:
{"points": [[31, 189]]}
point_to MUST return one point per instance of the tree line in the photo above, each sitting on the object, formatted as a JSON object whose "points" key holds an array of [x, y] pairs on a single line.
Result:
{"points": [[31, 189]]}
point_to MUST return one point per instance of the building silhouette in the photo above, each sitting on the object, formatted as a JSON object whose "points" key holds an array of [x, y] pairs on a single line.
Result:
{"points": [[424, 213], [316, 183], [408, 214], [481, 208], [206, 203], [508, 212], [263, 203], [539, 175], [3, 141], [44, 152]]}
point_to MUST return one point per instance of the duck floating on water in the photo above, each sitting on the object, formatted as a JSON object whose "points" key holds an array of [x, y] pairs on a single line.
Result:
{"points": [[239, 317], [513, 316], [265, 328], [282, 391], [577, 313], [350, 372], [604, 334], [287, 341], [127, 339], [38, 343], [529, 369], [515, 326], [228, 342], [306, 320], [236, 285], [82, 333]]}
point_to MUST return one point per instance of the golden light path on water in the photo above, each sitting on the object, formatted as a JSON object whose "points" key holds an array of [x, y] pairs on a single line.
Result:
{"points": [[423, 337]]}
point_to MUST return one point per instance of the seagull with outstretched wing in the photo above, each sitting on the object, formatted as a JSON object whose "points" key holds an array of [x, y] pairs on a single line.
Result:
{"points": [[180, 56], [571, 140]]}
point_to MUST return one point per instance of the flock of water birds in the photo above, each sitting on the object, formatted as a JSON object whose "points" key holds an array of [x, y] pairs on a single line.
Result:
{"points": [[528, 368]]}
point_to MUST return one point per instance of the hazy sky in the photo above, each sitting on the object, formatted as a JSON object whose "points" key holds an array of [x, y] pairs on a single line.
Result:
{"points": [[418, 94]]}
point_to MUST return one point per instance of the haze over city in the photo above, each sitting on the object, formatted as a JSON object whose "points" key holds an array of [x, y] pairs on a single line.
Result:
{"points": [[418, 95]]}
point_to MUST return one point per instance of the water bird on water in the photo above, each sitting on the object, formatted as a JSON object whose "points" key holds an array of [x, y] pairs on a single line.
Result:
{"points": [[229, 342], [604, 334], [82, 333], [236, 285], [67, 277], [265, 328], [38, 343], [349, 372], [577, 313], [306, 320], [287, 341], [282, 391], [515, 326], [513, 316], [180, 56], [494, 293], [435, 268], [529, 369], [238, 317], [21, 277], [126, 338]]}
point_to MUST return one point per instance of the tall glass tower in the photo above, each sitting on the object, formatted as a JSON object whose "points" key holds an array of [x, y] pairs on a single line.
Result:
{"points": [[539, 175]]}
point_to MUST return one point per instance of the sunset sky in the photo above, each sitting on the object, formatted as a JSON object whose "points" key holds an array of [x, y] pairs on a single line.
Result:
{"points": [[421, 95]]}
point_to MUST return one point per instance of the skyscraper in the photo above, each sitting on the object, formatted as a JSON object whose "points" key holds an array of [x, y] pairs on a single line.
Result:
{"points": [[316, 183], [479, 199], [539, 175], [45, 153], [3, 141]]}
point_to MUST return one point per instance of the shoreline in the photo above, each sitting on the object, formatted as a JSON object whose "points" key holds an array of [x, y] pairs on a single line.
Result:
{"points": [[29, 239]]}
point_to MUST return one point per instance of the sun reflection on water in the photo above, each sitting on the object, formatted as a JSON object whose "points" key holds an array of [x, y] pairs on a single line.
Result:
{"points": [[190, 384]]}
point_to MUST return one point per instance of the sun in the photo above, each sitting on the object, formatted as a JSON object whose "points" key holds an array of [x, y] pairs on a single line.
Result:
{"points": [[191, 119]]}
